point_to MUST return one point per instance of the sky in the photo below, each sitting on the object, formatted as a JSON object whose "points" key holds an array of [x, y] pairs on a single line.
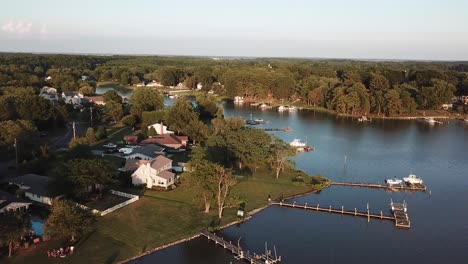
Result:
{"points": [[360, 29]]}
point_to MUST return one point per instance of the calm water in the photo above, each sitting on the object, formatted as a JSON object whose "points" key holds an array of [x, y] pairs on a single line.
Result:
{"points": [[375, 151], [120, 91]]}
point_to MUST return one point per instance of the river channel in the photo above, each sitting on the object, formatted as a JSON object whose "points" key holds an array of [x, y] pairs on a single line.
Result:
{"points": [[347, 150]]}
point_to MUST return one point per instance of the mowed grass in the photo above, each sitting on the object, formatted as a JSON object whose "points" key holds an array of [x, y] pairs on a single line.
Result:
{"points": [[159, 218]]}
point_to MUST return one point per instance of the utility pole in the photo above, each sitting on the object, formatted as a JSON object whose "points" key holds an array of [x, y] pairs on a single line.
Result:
{"points": [[74, 130], [16, 153], [91, 109]]}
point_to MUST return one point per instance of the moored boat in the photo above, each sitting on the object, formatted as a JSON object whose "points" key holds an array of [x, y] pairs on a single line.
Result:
{"points": [[412, 179], [393, 181], [296, 143]]}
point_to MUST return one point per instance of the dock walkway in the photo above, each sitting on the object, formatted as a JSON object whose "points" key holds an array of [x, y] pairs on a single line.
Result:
{"points": [[401, 220], [237, 251], [413, 187]]}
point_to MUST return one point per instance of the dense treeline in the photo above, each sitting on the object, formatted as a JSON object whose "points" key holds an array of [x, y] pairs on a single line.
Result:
{"points": [[351, 87]]}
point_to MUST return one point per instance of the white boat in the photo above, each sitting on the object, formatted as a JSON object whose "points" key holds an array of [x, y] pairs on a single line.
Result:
{"points": [[292, 108], [364, 119], [296, 143], [263, 105], [412, 179], [282, 108], [238, 99], [259, 120], [393, 181], [430, 120]]}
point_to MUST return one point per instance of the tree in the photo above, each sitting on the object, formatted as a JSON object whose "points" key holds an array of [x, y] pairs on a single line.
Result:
{"points": [[68, 219], [13, 226], [181, 114], [152, 132], [25, 134], [87, 90], [201, 176], [90, 136], [77, 176], [112, 95], [224, 184], [129, 120], [101, 133], [393, 103], [279, 157], [145, 99], [114, 110]]}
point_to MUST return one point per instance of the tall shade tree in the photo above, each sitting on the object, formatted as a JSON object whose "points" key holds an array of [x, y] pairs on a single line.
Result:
{"points": [[13, 226], [25, 134], [114, 110], [68, 219], [145, 99], [279, 157], [201, 175], [224, 183], [77, 176]]}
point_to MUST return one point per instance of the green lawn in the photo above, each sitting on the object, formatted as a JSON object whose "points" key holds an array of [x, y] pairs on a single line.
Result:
{"points": [[108, 200], [161, 217]]}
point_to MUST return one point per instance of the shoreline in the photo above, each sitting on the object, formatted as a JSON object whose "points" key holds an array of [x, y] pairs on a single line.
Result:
{"points": [[250, 215]]}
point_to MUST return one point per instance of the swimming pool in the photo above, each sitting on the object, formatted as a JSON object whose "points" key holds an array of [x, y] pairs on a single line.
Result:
{"points": [[37, 227]]}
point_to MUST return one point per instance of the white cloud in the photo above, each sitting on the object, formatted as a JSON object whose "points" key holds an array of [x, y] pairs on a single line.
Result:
{"points": [[44, 29], [19, 27]]}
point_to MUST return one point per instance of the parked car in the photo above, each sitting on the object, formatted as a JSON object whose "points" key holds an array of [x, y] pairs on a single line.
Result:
{"points": [[110, 145]]}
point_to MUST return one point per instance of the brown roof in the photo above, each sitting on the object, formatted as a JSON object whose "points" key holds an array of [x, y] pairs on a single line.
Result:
{"points": [[159, 162], [134, 164], [164, 140], [166, 175]]}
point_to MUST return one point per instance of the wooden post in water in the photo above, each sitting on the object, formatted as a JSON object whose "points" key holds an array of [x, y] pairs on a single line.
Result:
{"points": [[381, 215], [305, 206], [317, 206], [294, 204], [368, 215], [355, 211], [329, 209], [342, 209]]}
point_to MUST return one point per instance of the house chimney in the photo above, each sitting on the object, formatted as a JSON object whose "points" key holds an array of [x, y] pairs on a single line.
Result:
{"points": [[162, 128]]}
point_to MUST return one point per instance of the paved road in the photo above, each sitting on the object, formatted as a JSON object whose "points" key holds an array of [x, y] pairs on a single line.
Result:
{"points": [[62, 142]]}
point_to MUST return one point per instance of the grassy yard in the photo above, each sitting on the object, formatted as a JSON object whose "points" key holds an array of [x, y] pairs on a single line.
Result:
{"points": [[159, 218], [108, 200]]}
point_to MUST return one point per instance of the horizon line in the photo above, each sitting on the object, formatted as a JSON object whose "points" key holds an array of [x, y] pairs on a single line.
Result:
{"points": [[227, 57]]}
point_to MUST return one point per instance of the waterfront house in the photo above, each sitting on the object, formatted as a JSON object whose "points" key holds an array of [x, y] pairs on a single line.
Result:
{"points": [[168, 141], [199, 86], [96, 100], [11, 203], [160, 128], [72, 97], [49, 93], [155, 173], [147, 152], [154, 84], [35, 187]]}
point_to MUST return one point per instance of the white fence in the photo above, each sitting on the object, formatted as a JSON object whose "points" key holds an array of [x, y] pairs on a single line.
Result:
{"points": [[133, 198]]}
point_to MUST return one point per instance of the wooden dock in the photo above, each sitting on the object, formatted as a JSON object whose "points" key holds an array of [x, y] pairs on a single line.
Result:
{"points": [[238, 252], [413, 187], [284, 129], [401, 220]]}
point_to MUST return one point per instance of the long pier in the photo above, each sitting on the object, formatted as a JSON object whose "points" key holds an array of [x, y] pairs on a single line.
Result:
{"points": [[413, 187], [401, 220], [238, 252]]}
